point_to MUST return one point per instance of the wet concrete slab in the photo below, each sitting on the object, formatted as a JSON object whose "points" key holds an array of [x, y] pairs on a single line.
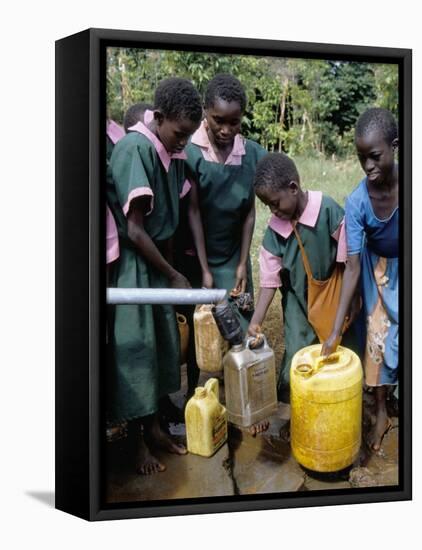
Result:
{"points": [[187, 476], [376, 469], [246, 465], [314, 484], [263, 464]]}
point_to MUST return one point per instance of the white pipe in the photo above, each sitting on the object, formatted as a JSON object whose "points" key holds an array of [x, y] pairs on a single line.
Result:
{"points": [[174, 296]]}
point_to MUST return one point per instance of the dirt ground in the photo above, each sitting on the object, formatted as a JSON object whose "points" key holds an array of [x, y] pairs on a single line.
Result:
{"points": [[246, 464]]}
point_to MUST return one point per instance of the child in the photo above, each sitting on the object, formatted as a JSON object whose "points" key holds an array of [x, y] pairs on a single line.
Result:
{"points": [[319, 222], [223, 164], [372, 218], [135, 114], [114, 133], [146, 178]]}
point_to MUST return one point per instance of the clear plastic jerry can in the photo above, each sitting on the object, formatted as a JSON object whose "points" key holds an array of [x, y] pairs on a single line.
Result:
{"points": [[250, 382]]}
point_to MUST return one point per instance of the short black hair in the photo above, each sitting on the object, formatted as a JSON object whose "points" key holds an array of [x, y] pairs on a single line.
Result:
{"points": [[275, 170], [134, 114], [379, 120], [177, 98], [227, 87]]}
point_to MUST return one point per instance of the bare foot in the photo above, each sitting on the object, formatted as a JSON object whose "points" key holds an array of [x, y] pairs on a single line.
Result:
{"points": [[146, 463], [158, 438], [382, 426], [259, 427]]}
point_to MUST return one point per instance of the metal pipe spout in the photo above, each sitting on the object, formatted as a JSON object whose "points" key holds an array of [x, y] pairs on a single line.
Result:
{"points": [[174, 296]]}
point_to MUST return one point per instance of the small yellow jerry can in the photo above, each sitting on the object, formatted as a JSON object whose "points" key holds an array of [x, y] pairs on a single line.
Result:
{"points": [[206, 420], [326, 408], [210, 346]]}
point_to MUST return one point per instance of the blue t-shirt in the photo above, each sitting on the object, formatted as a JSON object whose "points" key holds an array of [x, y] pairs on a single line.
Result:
{"points": [[363, 228]]}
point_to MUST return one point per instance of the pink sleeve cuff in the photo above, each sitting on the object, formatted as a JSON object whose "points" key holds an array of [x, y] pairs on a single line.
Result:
{"points": [[112, 238], [340, 236], [113, 251], [269, 269], [186, 188], [139, 192]]}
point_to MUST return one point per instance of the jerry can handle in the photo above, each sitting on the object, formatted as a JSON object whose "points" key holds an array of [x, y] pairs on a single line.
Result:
{"points": [[212, 386], [306, 369], [256, 342], [322, 360]]}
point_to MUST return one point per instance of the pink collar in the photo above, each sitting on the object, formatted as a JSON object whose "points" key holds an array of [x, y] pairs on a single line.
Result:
{"points": [[309, 216], [114, 131], [200, 138], [164, 155]]}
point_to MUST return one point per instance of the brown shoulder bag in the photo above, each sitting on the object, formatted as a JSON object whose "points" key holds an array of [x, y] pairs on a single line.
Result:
{"points": [[323, 296]]}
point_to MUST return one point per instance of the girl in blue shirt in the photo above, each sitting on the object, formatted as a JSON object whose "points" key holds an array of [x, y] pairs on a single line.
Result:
{"points": [[372, 228]]}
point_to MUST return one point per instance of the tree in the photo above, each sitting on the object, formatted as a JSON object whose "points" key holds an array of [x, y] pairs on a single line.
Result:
{"points": [[301, 106]]}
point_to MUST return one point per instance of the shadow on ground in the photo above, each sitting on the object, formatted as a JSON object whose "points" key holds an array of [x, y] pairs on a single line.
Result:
{"points": [[45, 497]]}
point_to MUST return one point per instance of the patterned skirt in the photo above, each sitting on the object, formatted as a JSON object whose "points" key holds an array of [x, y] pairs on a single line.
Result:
{"points": [[380, 281]]}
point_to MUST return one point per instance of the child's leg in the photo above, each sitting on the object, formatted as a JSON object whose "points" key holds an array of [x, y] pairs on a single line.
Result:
{"points": [[156, 437], [298, 333], [382, 421], [146, 463], [191, 364], [189, 266], [169, 412]]}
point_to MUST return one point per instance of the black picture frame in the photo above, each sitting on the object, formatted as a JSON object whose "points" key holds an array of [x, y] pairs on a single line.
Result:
{"points": [[80, 277]]}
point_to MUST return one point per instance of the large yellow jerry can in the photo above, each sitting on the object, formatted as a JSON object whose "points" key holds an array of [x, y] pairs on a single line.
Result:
{"points": [[210, 346], [206, 420], [326, 408]]}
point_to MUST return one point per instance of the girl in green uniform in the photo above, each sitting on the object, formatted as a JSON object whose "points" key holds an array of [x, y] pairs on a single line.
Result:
{"points": [[146, 180], [222, 163], [319, 222]]}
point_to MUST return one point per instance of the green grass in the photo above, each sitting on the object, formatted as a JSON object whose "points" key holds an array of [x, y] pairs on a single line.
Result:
{"points": [[336, 178]]}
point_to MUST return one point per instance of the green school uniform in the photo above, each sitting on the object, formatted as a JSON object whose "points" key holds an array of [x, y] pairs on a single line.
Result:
{"points": [[226, 196], [145, 338], [321, 249]]}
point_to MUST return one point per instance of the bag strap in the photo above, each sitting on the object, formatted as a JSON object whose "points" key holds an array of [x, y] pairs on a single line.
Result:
{"points": [[306, 263]]}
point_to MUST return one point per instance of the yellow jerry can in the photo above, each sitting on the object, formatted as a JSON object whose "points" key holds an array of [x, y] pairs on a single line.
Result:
{"points": [[326, 408], [210, 346], [206, 420]]}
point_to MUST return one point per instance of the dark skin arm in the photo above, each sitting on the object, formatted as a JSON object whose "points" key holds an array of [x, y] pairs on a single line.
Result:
{"points": [[348, 293], [146, 247], [247, 232], [195, 224], [265, 298]]}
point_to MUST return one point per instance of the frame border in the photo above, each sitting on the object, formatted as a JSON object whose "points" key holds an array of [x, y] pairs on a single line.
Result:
{"points": [[80, 300]]}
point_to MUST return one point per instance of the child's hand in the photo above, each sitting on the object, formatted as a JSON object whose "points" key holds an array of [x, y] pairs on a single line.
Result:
{"points": [[241, 279], [207, 279], [179, 281], [254, 330], [330, 345]]}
